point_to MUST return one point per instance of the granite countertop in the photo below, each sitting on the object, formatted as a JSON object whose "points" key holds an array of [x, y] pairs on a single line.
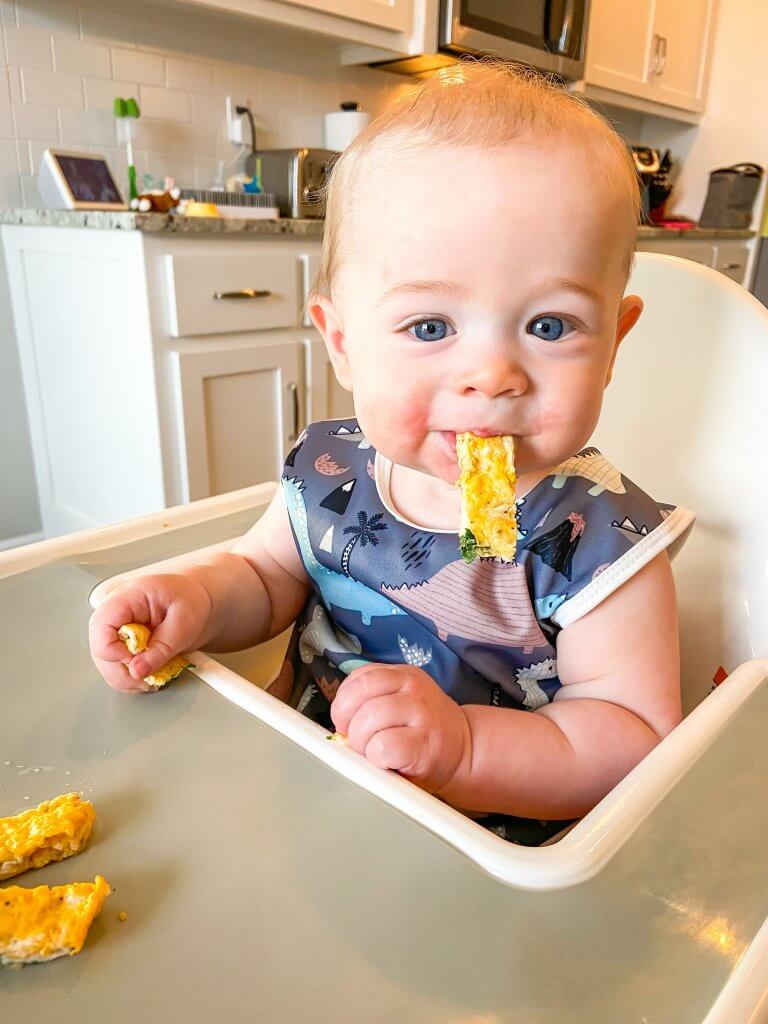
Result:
{"points": [[162, 222], [115, 220]]}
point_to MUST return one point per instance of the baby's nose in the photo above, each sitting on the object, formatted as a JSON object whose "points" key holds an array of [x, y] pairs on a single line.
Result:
{"points": [[494, 378]]}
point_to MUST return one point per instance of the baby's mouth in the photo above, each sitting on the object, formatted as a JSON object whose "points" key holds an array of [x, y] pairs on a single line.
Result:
{"points": [[448, 437]]}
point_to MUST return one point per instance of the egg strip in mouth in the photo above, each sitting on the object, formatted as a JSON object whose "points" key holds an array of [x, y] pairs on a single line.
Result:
{"points": [[48, 921], [136, 636], [488, 521], [57, 829]]}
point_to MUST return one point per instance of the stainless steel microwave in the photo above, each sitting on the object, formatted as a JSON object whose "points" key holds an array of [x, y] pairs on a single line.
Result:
{"points": [[548, 34]]}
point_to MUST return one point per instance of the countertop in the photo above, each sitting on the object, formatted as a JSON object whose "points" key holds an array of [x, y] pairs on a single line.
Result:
{"points": [[111, 220], [260, 885], [161, 222]]}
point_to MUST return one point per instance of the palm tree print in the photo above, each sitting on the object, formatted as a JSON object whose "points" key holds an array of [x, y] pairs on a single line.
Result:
{"points": [[364, 532]]}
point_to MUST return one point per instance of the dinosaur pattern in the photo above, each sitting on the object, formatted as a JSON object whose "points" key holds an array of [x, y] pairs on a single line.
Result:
{"points": [[383, 591]]}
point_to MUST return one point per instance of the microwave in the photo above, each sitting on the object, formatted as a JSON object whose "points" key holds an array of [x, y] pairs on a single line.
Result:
{"points": [[548, 35]]}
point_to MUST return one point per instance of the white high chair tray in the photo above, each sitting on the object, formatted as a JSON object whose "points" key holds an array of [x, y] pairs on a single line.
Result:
{"points": [[577, 856]]}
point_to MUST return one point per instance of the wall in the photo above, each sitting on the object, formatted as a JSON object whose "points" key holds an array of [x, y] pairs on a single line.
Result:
{"points": [[62, 64], [734, 128]]}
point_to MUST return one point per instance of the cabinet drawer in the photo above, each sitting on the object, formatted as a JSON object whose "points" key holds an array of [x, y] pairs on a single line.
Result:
{"points": [[731, 260], [221, 294]]}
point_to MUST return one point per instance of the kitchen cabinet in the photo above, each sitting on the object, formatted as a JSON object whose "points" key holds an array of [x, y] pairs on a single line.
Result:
{"points": [[729, 257], [391, 14], [655, 50], [156, 371], [240, 412]]}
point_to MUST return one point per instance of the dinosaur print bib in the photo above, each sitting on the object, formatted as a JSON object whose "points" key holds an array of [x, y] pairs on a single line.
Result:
{"points": [[386, 591]]}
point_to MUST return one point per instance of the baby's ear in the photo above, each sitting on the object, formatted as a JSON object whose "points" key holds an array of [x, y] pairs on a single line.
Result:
{"points": [[328, 322], [629, 313]]}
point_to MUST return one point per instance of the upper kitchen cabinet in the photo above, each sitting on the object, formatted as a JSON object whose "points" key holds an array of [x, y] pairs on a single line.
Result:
{"points": [[392, 14], [656, 51], [381, 25]]}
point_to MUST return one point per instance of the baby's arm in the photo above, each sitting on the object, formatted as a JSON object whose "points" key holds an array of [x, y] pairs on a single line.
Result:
{"points": [[230, 600], [619, 666]]}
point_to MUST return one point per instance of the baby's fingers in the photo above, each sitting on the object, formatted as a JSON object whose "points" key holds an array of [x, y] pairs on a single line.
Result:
{"points": [[178, 632], [108, 618], [118, 676]]}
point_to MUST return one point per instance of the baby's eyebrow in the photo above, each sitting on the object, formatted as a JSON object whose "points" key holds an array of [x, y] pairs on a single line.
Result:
{"points": [[573, 286], [409, 287]]}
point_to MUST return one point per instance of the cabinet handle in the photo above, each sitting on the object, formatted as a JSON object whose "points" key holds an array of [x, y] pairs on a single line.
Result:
{"points": [[295, 396], [730, 266], [653, 66], [243, 293], [663, 54]]}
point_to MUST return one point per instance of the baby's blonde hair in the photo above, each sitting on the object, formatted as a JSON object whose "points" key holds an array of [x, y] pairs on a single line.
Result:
{"points": [[483, 103]]}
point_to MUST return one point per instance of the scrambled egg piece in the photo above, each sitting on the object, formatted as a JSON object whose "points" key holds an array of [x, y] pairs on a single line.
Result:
{"points": [[46, 922], [136, 636], [488, 513], [56, 829]]}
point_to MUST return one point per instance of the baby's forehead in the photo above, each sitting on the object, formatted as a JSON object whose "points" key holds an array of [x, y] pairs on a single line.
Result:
{"points": [[418, 203]]}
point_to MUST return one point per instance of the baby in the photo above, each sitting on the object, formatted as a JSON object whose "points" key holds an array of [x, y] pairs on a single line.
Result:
{"points": [[478, 242]]}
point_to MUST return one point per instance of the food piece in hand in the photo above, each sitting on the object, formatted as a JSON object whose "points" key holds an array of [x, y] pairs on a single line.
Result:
{"points": [[338, 737], [46, 922], [488, 526], [136, 636], [56, 829]]}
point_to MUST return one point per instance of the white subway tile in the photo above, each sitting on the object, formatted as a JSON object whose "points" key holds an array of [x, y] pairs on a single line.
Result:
{"points": [[135, 66], [76, 55], [87, 128], [194, 75], [36, 150], [11, 160], [7, 13], [169, 104], [53, 15], [35, 122], [108, 25], [28, 194], [28, 47], [7, 129], [100, 93], [14, 85], [52, 88], [208, 108]]}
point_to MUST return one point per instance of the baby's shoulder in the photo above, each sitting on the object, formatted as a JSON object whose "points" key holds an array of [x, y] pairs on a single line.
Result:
{"points": [[586, 529], [330, 448]]}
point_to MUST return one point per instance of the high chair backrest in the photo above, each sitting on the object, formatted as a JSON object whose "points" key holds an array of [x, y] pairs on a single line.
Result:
{"points": [[686, 418]]}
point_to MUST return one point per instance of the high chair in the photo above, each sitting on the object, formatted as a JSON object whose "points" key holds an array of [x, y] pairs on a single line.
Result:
{"points": [[682, 417], [686, 418]]}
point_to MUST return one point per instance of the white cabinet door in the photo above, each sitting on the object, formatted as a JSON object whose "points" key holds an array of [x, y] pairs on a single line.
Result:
{"points": [[619, 45], [683, 31], [240, 412], [326, 398], [393, 14]]}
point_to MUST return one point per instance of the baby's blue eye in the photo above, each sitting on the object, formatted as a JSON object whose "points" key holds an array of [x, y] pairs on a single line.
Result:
{"points": [[548, 328], [430, 330]]}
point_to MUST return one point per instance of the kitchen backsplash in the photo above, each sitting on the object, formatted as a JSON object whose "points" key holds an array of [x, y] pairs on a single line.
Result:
{"points": [[66, 62]]}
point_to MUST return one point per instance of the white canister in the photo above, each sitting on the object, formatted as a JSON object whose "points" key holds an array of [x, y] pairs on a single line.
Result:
{"points": [[344, 125]]}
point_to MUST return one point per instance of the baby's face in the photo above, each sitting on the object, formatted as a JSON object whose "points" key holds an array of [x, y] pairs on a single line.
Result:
{"points": [[483, 293]]}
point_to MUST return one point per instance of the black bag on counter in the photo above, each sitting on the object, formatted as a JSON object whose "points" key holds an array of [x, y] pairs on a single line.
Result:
{"points": [[731, 196]]}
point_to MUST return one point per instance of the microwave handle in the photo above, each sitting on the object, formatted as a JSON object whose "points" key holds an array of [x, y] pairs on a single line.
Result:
{"points": [[561, 24]]}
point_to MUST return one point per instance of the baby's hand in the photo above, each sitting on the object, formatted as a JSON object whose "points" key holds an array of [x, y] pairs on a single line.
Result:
{"points": [[174, 607], [399, 718]]}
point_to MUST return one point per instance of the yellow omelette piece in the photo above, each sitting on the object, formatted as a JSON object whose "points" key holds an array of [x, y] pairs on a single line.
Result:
{"points": [[136, 636], [48, 921], [488, 524], [56, 829]]}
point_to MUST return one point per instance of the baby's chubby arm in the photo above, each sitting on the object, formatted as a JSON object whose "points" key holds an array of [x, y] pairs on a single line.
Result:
{"points": [[230, 600], [619, 666]]}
